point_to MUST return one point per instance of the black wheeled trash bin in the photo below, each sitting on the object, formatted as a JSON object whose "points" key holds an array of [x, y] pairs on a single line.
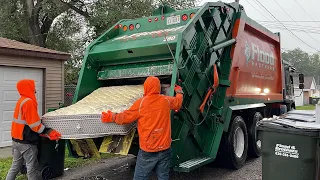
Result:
{"points": [[51, 158], [290, 150]]}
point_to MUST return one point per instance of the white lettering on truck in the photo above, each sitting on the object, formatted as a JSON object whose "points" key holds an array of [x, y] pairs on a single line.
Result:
{"points": [[261, 55]]}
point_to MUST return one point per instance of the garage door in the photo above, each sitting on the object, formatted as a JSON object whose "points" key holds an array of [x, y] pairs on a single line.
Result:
{"points": [[298, 97], [9, 76]]}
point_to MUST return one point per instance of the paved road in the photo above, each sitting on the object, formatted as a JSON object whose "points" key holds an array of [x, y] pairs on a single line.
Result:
{"points": [[120, 168]]}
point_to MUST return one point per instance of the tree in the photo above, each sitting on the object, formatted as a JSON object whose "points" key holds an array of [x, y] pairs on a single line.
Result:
{"points": [[68, 25], [305, 63]]}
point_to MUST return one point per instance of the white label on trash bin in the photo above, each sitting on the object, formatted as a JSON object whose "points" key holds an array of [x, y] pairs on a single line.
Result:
{"points": [[286, 151]]}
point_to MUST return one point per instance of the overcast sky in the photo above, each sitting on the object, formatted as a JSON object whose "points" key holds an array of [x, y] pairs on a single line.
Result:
{"points": [[304, 24]]}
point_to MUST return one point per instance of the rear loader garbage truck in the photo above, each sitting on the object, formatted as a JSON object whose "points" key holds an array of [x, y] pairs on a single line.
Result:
{"points": [[229, 67]]}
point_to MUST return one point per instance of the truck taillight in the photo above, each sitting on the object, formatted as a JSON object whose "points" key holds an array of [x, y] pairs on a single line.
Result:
{"points": [[138, 26], [125, 28], [184, 17], [156, 19], [191, 15], [131, 27], [162, 17], [150, 20]]}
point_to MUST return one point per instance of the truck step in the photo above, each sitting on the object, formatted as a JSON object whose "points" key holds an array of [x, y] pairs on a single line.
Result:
{"points": [[192, 164]]}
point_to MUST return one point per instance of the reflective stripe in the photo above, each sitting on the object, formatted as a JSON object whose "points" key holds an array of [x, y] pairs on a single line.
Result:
{"points": [[21, 104], [140, 105], [18, 121], [41, 129], [35, 124]]}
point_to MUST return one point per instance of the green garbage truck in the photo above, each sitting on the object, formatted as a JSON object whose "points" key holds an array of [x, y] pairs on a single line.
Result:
{"points": [[228, 65]]}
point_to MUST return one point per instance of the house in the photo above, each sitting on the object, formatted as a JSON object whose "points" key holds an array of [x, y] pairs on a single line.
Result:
{"points": [[24, 61], [317, 93], [302, 96]]}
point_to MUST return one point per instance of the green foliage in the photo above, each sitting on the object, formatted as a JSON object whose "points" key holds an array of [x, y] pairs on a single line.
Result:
{"points": [[305, 63], [69, 25]]}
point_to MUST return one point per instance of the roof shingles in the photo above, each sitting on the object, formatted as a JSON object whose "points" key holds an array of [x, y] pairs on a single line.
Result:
{"points": [[7, 45]]}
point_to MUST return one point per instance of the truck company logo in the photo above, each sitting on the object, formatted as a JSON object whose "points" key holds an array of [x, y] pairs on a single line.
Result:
{"points": [[259, 58]]}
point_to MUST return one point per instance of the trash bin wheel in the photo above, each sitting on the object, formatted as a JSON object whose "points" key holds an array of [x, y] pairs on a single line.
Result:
{"points": [[254, 144], [46, 173], [235, 144]]}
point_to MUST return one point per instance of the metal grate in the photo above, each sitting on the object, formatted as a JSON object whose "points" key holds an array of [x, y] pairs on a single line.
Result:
{"points": [[69, 91]]}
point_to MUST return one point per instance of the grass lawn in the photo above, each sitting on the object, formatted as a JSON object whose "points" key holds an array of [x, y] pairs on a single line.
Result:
{"points": [[307, 107], [69, 162]]}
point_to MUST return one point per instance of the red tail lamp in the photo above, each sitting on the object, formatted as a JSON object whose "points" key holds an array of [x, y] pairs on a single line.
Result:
{"points": [[191, 15], [162, 17], [150, 20], [184, 17], [156, 19], [131, 27]]}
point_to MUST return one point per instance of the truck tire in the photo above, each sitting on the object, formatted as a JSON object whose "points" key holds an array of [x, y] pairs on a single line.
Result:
{"points": [[254, 144], [235, 143]]}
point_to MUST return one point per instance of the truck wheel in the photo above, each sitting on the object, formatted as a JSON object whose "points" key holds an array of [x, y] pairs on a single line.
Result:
{"points": [[236, 143], [254, 149]]}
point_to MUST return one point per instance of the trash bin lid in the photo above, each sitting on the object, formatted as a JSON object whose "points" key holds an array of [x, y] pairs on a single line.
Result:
{"points": [[291, 126], [303, 112], [300, 117]]}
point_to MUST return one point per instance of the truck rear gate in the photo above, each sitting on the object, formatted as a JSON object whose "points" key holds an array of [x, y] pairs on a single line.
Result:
{"points": [[224, 61]]}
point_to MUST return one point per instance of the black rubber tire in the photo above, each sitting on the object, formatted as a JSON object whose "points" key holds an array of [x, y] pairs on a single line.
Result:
{"points": [[46, 173], [254, 150], [230, 158]]}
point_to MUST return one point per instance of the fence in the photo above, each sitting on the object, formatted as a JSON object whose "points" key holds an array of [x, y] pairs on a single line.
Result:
{"points": [[69, 91]]}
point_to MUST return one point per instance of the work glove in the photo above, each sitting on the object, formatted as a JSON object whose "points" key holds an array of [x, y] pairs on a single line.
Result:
{"points": [[178, 89], [107, 117], [51, 134]]}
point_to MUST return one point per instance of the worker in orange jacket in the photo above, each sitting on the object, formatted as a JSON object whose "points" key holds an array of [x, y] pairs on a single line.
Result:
{"points": [[25, 130], [152, 112]]}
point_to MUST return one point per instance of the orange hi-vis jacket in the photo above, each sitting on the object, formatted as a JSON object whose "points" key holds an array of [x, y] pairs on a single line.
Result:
{"points": [[153, 115], [26, 123]]}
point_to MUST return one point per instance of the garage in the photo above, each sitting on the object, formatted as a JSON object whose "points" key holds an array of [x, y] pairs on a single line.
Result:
{"points": [[298, 97], [24, 61]]}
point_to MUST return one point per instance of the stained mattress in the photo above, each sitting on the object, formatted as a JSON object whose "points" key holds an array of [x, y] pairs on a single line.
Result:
{"points": [[82, 119]]}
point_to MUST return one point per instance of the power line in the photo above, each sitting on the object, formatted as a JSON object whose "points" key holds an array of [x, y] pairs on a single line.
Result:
{"points": [[302, 21], [295, 21], [257, 9], [287, 28], [294, 25], [307, 13]]}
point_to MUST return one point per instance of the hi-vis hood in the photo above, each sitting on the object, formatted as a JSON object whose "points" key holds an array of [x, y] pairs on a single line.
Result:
{"points": [[152, 86], [26, 88]]}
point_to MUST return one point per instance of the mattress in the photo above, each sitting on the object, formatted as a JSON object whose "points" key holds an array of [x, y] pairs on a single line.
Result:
{"points": [[82, 119]]}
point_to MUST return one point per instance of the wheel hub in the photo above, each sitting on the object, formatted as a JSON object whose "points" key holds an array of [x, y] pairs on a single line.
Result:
{"points": [[238, 143]]}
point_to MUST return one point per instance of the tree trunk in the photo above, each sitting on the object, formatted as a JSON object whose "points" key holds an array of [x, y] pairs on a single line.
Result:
{"points": [[35, 35]]}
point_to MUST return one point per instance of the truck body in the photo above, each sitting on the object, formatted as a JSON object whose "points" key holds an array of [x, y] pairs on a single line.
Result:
{"points": [[228, 65]]}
